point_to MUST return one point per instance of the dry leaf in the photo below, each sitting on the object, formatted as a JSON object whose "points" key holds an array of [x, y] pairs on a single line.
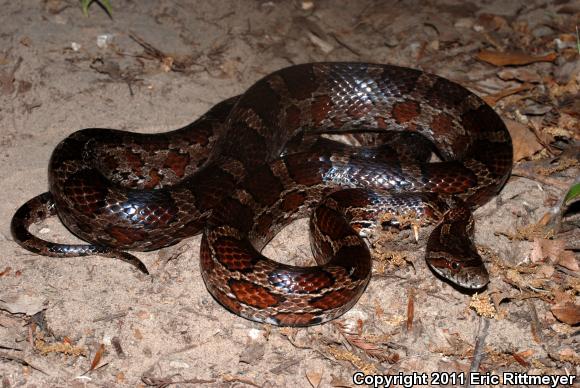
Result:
{"points": [[338, 382], [137, 334], [568, 260], [561, 297], [546, 271], [519, 357], [568, 354], [568, 313], [524, 141], [519, 74], [491, 22], [314, 378], [98, 356], [497, 58], [553, 251], [22, 303]]}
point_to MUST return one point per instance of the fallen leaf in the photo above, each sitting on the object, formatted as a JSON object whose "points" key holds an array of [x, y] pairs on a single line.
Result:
{"points": [[21, 303], [314, 378], [491, 22], [98, 356], [137, 334], [252, 353], [524, 141], [546, 271], [520, 359], [568, 354], [519, 74], [568, 260], [568, 313], [497, 58]]}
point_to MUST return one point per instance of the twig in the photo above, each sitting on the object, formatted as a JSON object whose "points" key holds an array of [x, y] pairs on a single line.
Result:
{"points": [[524, 173], [346, 46], [410, 310], [21, 361], [535, 323], [162, 382], [478, 349], [110, 317]]}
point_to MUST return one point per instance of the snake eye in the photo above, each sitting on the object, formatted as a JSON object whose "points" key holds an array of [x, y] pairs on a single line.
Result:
{"points": [[455, 266]]}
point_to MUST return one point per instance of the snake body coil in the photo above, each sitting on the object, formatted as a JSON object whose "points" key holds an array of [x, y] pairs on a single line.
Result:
{"points": [[253, 163]]}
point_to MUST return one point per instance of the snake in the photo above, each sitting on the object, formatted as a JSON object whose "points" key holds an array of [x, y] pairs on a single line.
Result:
{"points": [[354, 146]]}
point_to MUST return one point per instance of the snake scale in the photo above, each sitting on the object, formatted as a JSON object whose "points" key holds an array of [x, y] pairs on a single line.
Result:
{"points": [[429, 150]]}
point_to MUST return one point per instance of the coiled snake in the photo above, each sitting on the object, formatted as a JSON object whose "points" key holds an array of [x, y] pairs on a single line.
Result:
{"points": [[255, 162]]}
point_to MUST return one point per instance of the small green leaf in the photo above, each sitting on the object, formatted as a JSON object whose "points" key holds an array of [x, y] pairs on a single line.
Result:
{"points": [[85, 6], [577, 40], [573, 193], [106, 4]]}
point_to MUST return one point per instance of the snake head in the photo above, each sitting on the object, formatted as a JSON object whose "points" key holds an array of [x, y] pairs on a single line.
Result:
{"points": [[466, 272]]}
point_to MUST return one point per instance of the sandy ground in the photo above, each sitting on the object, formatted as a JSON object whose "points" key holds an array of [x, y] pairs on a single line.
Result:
{"points": [[166, 328]]}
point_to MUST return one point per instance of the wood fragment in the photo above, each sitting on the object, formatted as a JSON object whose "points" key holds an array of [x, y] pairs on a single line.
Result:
{"points": [[410, 310], [535, 325], [478, 350], [110, 317], [533, 175], [8, 357], [116, 342], [236, 379], [162, 382]]}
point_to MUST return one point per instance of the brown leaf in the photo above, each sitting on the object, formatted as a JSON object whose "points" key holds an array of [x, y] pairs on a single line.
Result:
{"points": [[568, 260], [568, 313], [525, 142], [520, 359], [492, 22], [553, 252], [546, 271], [519, 74], [314, 378], [497, 58], [98, 356]]}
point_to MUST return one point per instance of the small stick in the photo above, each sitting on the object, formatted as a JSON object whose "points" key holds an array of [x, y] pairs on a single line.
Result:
{"points": [[478, 349], [110, 317], [524, 173], [410, 310], [21, 361]]}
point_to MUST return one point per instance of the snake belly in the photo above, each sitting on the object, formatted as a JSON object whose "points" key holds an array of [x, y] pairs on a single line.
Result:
{"points": [[249, 166]]}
